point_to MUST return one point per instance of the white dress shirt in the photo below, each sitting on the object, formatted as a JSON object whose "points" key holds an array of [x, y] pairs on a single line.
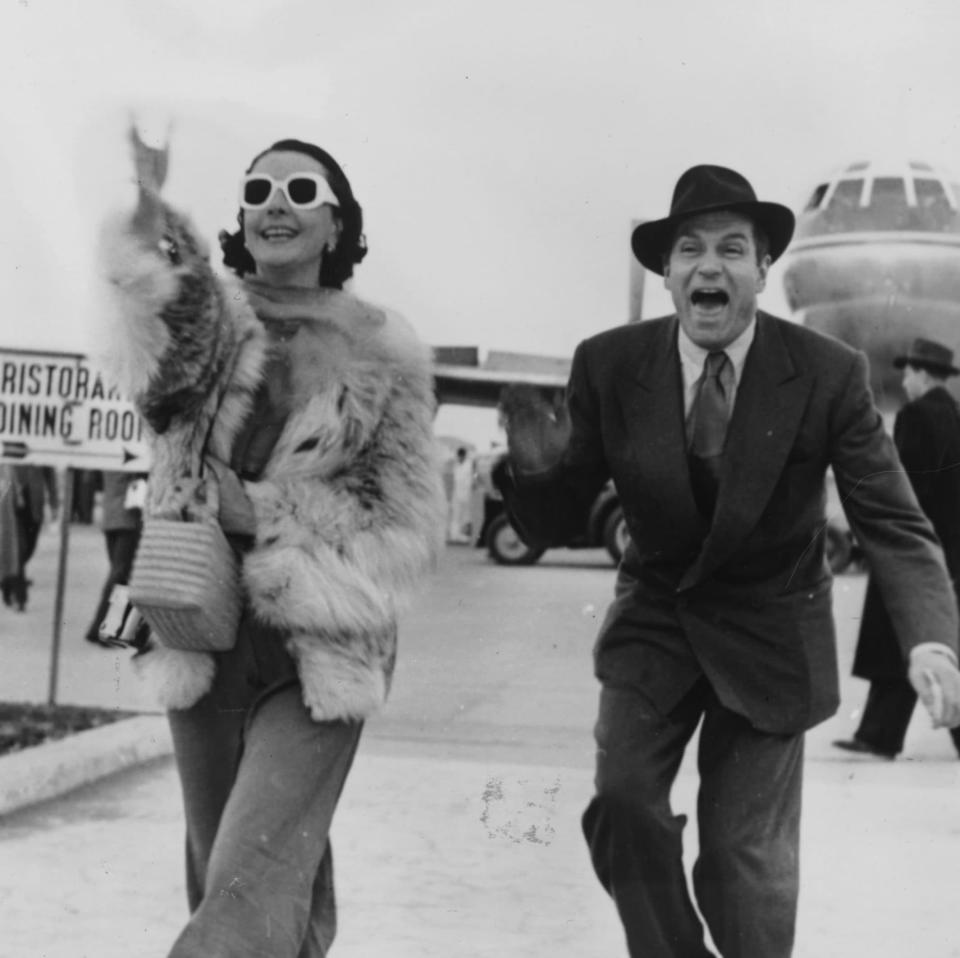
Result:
{"points": [[693, 357]]}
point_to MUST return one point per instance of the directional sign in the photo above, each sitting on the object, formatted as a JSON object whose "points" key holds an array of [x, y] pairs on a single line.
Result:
{"points": [[58, 409]]}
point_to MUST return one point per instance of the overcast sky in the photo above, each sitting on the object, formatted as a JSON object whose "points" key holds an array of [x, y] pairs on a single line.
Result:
{"points": [[499, 148]]}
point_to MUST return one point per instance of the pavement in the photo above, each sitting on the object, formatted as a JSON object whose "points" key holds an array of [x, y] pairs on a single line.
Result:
{"points": [[458, 831]]}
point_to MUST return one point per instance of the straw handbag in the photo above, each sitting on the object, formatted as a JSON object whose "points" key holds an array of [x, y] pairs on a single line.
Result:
{"points": [[186, 581]]}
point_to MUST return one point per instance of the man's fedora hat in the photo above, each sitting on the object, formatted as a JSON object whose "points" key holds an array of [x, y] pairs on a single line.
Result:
{"points": [[707, 189], [926, 354]]}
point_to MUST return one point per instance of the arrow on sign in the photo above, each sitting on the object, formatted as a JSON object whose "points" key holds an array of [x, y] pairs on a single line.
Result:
{"points": [[21, 450], [14, 450]]}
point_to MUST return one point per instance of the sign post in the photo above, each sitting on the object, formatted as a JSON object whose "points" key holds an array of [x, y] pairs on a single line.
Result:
{"points": [[57, 409], [66, 509]]}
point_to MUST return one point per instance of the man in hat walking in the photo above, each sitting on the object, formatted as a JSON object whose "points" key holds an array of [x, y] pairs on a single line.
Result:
{"points": [[717, 425], [926, 433]]}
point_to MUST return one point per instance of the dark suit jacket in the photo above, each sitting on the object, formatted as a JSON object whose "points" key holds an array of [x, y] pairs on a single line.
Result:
{"points": [[926, 433], [744, 600]]}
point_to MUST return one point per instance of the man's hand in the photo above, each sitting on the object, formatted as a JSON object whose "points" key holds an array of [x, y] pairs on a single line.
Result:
{"points": [[937, 681], [537, 430]]}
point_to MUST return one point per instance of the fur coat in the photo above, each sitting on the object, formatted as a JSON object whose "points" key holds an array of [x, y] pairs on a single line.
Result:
{"points": [[349, 506]]}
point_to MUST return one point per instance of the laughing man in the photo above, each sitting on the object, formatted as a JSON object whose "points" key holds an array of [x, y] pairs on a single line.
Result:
{"points": [[717, 425]]}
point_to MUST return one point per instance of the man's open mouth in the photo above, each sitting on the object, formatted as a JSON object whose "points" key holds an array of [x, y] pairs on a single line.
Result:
{"points": [[709, 298]]}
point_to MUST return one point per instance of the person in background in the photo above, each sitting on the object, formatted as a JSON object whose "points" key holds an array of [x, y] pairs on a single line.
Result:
{"points": [[717, 425], [9, 554], [926, 433], [123, 500], [461, 498], [35, 496], [86, 484]]}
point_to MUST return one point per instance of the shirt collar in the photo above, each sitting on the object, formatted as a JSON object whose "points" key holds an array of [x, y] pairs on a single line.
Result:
{"points": [[695, 356]]}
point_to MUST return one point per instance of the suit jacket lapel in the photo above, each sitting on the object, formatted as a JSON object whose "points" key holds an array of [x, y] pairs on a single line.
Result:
{"points": [[771, 398]]}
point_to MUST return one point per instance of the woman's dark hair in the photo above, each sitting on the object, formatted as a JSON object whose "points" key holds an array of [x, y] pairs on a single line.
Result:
{"points": [[337, 265]]}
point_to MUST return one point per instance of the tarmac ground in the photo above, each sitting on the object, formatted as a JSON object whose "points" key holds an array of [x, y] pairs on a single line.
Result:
{"points": [[458, 833]]}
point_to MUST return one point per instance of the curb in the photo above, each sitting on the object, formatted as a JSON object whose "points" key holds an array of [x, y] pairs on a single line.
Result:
{"points": [[48, 770]]}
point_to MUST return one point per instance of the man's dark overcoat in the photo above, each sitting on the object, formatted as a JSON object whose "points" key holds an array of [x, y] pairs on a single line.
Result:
{"points": [[926, 433], [744, 600]]}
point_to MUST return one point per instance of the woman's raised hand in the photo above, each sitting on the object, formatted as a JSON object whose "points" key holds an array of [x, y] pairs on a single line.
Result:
{"points": [[150, 170], [149, 162], [538, 428]]}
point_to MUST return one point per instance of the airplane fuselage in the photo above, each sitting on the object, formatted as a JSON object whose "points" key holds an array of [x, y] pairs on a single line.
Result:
{"points": [[876, 263]]}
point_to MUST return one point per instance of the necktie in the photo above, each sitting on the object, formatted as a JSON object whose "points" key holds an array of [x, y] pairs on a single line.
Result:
{"points": [[707, 428]]}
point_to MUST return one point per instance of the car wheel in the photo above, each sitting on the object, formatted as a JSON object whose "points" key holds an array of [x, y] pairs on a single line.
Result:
{"points": [[839, 549], [615, 534], [505, 545]]}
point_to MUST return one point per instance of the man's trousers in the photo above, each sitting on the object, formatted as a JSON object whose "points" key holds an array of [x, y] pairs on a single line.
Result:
{"points": [[746, 876]]}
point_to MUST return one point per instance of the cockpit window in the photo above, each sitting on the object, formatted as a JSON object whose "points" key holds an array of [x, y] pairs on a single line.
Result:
{"points": [[888, 191], [930, 193], [816, 198], [847, 194]]}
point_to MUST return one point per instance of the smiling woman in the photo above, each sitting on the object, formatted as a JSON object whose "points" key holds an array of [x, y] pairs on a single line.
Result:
{"points": [[287, 238], [314, 410], [297, 211]]}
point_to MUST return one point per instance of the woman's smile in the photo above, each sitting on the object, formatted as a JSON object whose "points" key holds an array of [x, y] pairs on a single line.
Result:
{"points": [[278, 234]]}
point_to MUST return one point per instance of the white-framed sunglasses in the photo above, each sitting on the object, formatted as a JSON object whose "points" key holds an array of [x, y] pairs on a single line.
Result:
{"points": [[304, 191]]}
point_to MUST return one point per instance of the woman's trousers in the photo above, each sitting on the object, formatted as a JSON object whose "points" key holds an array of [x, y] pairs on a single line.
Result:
{"points": [[260, 781]]}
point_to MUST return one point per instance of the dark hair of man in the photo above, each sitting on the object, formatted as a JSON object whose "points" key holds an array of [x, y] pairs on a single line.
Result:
{"points": [[760, 240], [337, 265]]}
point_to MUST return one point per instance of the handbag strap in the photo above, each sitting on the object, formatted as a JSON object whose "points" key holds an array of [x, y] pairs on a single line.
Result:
{"points": [[222, 478], [256, 441], [216, 412]]}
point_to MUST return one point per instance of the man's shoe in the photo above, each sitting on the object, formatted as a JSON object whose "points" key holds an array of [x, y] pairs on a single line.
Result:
{"points": [[862, 748]]}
